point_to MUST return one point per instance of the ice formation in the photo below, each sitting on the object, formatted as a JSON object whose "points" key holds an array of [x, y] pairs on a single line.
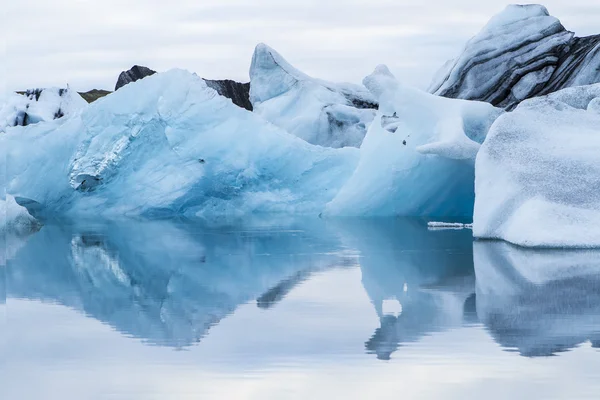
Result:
{"points": [[417, 157], [38, 105], [522, 52], [169, 145], [537, 172], [320, 112]]}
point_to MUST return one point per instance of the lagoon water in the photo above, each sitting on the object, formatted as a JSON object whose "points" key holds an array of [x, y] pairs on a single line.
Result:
{"points": [[294, 309]]}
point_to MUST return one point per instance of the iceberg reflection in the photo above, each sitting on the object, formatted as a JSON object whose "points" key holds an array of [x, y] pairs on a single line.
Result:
{"points": [[538, 302], [429, 273], [164, 282], [167, 283]]}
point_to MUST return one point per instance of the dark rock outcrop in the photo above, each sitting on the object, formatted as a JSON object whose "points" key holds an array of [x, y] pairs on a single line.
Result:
{"points": [[136, 72], [94, 94], [521, 53], [239, 93]]}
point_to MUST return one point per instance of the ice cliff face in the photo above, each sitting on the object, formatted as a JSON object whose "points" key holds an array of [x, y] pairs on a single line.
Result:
{"points": [[537, 172], [417, 158], [38, 105], [521, 53], [323, 113]]}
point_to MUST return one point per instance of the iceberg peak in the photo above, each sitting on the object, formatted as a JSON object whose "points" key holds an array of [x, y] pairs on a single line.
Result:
{"points": [[271, 74], [323, 113]]}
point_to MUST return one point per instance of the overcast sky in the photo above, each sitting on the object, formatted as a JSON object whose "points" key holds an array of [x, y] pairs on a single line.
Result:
{"points": [[86, 43]]}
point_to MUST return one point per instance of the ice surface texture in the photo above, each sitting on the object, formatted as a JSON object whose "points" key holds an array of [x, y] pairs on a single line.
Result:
{"points": [[537, 172], [178, 149], [320, 112], [522, 52], [417, 157]]}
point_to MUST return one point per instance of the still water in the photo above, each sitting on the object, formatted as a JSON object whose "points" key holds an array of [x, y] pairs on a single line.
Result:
{"points": [[312, 309]]}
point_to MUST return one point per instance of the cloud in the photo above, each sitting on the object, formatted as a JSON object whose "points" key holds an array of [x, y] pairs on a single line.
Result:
{"points": [[87, 43]]}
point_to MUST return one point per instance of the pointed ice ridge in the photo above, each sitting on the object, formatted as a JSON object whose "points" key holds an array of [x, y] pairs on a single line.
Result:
{"points": [[320, 112]]}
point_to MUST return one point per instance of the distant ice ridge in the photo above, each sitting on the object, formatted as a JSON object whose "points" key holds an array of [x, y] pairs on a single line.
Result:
{"points": [[169, 145], [417, 158], [322, 113], [537, 173], [38, 105]]}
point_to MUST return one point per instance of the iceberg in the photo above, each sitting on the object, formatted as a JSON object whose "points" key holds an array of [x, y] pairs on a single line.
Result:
{"points": [[418, 156], [537, 173], [38, 105], [169, 145], [521, 53], [322, 113]]}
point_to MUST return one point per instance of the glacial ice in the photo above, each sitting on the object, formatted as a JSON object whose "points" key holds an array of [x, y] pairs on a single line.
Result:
{"points": [[522, 52], [169, 145], [322, 113], [417, 158], [537, 173], [37, 106]]}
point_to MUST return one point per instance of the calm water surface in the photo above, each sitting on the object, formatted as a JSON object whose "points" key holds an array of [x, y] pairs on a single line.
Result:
{"points": [[344, 309]]}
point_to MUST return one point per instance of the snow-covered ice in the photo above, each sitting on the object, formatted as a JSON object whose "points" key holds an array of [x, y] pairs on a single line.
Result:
{"points": [[537, 173], [169, 145], [417, 158], [323, 113], [37, 106]]}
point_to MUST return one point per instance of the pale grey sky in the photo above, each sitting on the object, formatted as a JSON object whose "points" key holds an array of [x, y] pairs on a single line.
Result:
{"points": [[86, 43]]}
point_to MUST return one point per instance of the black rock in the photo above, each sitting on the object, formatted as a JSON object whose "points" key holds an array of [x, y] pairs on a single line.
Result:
{"points": [[136, 72], [239, 93]]}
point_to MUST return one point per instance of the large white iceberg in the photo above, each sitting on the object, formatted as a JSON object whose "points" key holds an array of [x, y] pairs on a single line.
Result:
{"points": [[537, 173], [37, 106], [417, 158], [168, 144], [323, 113]]}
